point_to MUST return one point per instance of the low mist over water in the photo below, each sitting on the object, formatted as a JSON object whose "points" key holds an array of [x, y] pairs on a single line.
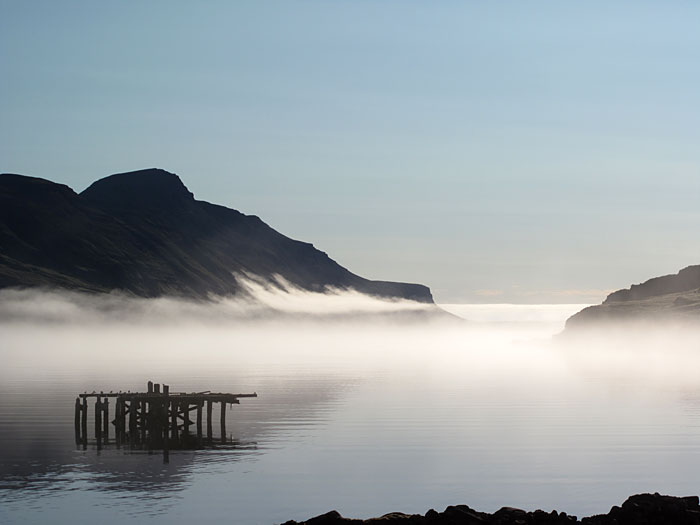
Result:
{"points": [[362, 413]]}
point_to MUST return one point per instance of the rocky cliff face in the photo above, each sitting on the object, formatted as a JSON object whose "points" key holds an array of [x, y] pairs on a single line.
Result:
{"points": [[144, 233], [673, 298]]}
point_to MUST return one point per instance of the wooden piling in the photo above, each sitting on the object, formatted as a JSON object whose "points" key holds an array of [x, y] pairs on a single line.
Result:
{"points": [[133, 421], [122, 419], [173, 421], [77, 421], [118, 421], [105, 419], [145, 416], [166, 413], [153, 419], [152, 424], [199, 421], [83, 422], [186, 418], [165, 423], [143, 419], [223, 421], [209, 423], [98, 422]]}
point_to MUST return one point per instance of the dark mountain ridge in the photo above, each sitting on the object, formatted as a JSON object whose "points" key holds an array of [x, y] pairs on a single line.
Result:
{"points": [[143, 233]]}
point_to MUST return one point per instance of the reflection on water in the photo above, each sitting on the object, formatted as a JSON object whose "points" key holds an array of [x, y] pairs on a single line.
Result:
{"points": [[362, 418]]}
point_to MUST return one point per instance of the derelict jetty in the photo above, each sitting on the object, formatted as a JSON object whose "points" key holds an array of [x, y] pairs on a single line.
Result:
{"points": [[155, 419]]}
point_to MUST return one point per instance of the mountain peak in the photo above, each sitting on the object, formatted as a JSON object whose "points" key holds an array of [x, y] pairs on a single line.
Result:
{"points": [[142, 189], [143, 233]]}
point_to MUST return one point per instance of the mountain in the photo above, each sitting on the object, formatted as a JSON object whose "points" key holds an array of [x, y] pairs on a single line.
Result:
{"points": [[144, 233], [668, 298]]}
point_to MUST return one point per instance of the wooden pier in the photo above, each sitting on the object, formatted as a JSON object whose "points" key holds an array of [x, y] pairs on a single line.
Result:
{"points": [[154, 420]]}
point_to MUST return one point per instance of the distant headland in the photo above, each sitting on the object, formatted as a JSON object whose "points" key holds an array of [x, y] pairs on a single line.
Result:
{"points": [[144, 234], [671, 298]]}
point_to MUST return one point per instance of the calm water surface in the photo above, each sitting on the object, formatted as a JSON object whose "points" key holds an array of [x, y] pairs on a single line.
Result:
{"points": [[365, 419]]}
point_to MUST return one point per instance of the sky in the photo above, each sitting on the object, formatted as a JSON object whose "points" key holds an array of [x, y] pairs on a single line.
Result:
{"points": [[499, 152]]}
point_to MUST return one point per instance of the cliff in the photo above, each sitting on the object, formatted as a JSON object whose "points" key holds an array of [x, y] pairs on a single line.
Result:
{"points": [[144, 233]]}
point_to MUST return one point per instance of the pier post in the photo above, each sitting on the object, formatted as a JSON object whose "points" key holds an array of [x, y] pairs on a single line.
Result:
{"points": [[209, 423], [165, 423], [146, 418], [166, 413], [153, 419], [133, 423], [122, 419], [105, 419], [186, 416], [223, 421], [143, 419], [118, 432], [199, 421], [173, 421], [83, 423], [98, 422], [152, 424], [77, 421]]}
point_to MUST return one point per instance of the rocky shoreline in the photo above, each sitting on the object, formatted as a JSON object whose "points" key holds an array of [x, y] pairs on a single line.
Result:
{"points": [[640, 509]]}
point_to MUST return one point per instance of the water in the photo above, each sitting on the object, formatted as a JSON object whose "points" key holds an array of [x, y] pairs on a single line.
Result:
{"points": [[362, 418]]}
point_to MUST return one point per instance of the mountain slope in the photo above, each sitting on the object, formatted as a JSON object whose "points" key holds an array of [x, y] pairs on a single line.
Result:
{"points": [[668, 298], [144, 233]]}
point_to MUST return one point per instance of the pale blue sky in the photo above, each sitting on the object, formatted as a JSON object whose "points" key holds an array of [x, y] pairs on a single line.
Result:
{"points": [[495, 151]]}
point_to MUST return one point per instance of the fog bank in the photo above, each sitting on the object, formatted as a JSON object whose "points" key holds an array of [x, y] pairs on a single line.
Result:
{"points": [[260, 300], [282, 329]]}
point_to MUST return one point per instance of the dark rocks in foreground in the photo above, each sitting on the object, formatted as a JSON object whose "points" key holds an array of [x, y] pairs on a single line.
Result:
{"points": [[641, 509]]}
